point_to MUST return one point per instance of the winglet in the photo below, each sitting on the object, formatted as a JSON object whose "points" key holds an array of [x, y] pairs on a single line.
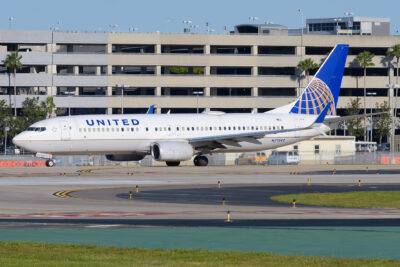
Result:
{"points": [[321, 116], [150, 110]]}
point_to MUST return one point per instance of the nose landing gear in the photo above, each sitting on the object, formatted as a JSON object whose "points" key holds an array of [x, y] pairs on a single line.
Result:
{"points": [[200, 161], [49, 163]]}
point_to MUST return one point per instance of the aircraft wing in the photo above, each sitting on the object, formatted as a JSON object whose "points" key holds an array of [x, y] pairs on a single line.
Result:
{"points": [[212, 142], [234, 139]]}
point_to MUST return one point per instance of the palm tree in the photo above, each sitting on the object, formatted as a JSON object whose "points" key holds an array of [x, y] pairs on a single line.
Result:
{"points": [[306, 65], [13, 61], [364, 59], [394, 52]]}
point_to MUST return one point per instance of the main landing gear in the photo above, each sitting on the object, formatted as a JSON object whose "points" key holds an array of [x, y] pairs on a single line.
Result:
{"points": [[200, 161], [49, 163]]}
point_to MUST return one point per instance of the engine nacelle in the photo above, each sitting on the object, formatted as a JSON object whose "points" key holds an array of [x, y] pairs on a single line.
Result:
{"points": [[124, 157], [171, 151]]}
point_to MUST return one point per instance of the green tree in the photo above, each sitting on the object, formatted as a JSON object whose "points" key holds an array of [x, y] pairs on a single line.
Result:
{"points": [[394, 52], [34, 111], [364, 59], [13, 62], [382, 122], [48, 107], [355, 126], [306, 65], [5, 115]]}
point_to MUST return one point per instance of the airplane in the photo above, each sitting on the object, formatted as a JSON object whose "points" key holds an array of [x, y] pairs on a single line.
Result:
{"points": [[173, 138]]}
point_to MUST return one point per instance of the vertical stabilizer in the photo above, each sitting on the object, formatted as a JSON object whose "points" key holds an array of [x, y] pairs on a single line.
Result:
{"points": [[324, 88]]}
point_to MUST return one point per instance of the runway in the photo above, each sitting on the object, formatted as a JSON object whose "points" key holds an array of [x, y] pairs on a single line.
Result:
{"points": [[182, 208], [185, 193]]}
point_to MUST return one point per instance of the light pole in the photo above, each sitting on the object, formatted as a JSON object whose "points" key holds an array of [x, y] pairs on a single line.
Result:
{"points": [[122, 86], [302, 20], [391, 88], [253, 19], [197, 93], [113, 26], [188, 25], [6, 129], [10, 21], [372, 121]]}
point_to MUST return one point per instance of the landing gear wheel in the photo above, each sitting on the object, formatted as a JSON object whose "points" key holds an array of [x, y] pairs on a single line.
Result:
{"points": [[200, 161], [172, 163], [49, 163]]}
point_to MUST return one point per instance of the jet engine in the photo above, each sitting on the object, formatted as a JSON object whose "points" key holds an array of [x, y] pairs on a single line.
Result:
{"points": [[125, 157], [171, 151]]}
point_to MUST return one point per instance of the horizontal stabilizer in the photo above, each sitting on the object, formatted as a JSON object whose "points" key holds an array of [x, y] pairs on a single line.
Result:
{"points": [[351, 117]]}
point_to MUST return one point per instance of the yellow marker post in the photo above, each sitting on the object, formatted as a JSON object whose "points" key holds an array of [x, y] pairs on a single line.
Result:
{"points": [[219, 184], [294, 203], [137, 189], [223, 201], [229, 216], [130, 195], [309, 181], [359, 183]]}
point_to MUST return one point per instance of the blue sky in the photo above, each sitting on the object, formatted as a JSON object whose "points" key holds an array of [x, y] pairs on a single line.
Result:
{"points": [[167, 15]]}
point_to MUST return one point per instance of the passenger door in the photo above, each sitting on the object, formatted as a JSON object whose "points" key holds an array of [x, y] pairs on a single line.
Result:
{"points": [[65, 130]]}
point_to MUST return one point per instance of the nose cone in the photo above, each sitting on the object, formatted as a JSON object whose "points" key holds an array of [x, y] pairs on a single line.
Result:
{"points": [[17, 140]]}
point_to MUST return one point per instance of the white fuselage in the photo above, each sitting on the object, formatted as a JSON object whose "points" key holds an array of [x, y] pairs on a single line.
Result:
{"points": [[126, 134]]}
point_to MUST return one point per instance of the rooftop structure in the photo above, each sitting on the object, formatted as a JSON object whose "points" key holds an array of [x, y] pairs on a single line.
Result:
{"points": [[349, 26]]}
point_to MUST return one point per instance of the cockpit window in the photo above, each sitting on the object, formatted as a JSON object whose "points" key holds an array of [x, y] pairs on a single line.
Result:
{"points": [[36, 129]]}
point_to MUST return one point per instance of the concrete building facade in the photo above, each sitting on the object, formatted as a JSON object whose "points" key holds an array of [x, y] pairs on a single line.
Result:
{"points": [[235, 72]]}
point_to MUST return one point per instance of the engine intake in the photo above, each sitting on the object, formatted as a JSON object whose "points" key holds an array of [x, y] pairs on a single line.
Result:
{"points": [[171, 151]]}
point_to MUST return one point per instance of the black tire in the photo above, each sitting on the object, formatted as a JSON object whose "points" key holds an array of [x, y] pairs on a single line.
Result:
{"points": [[172, 163], [49, 163], [200, 161]]}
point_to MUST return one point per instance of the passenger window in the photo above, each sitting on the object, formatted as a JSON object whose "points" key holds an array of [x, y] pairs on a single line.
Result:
{"points": [[80, 129], [224, 128], [188, 128], [89, 130], [112, 129], [117, 129], [220, 128], [84, 129], [202, 128], [147, 129], [169, 128], [102, 129], [177, 128], [122, 129], [252, 127], [192, 128], [210, 128], [108, 129]]}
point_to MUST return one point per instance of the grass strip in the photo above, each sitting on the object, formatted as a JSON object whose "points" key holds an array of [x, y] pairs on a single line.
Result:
{"points": [[42, 254], [364, 199]]}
